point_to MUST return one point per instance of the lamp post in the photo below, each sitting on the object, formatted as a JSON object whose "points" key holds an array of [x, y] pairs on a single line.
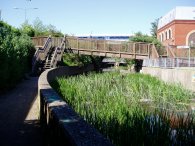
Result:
{"points": [[25, 11], [189, 57]]}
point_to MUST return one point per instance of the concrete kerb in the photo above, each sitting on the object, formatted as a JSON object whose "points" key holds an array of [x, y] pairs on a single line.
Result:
{"points": [[61, 124]]}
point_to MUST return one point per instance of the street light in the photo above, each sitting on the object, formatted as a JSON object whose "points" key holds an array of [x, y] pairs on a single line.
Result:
{"points": [[25, 11]]}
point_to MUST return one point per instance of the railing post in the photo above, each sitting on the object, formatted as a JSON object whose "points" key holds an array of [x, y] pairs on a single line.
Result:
{"points": [[127, 47], [134, 55], [105, 45], [77, 43], [165, 62], [120, 47], [96, 44]]}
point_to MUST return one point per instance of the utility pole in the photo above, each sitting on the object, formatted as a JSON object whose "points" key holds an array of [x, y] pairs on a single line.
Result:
{"points": [[25, 11]]}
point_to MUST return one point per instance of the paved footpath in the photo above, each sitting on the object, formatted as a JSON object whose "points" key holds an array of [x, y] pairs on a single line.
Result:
{"points": [[19, 124]]}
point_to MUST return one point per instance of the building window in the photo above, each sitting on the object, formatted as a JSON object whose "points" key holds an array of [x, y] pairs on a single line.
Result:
{"points": [[161, 39], [170, 35], [162, 36], [166, 36], [191, 39]]}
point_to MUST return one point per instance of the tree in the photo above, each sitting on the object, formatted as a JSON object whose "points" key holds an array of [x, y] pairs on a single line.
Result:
{"points": [[45, 30], [28, 29], [154, 28], [51, 30], [39, 28]]}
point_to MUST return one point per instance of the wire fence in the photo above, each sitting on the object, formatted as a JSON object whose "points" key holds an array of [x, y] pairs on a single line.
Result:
{"points": [[169, 62]]}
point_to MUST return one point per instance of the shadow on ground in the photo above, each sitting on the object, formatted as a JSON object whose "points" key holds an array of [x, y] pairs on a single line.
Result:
{"points": [[19, 124]]}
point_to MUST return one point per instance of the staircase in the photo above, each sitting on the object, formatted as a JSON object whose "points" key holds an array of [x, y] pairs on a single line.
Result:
{"points": [[48, 56], [48, 61]]}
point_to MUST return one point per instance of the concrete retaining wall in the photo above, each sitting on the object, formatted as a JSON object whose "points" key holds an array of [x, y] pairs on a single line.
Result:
{"points": [[62, 126], [184, 76]]}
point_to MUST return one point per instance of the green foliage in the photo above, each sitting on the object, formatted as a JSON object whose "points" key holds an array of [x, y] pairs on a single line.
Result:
{"points": [[139, 37], [39, 29], [28, 29], [154, 28], [45, 30], [70, 59], [15, 55], [114, 104]]}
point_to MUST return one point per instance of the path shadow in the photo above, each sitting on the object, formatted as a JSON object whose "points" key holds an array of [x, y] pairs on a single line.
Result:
{"points": [[19, 124]]}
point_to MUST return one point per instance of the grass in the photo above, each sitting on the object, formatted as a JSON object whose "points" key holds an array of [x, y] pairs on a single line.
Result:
{"points": [[114, 104]]}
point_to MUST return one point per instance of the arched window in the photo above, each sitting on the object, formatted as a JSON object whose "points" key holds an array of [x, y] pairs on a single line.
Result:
{"points": [[191, 39], [170, 35], [166, 36], [162, 36]]}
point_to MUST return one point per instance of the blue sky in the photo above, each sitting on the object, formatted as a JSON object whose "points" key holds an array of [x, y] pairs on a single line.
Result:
{"points": [[85, 17]]}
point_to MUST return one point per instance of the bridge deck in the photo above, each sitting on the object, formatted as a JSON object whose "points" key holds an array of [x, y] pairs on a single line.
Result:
{"points": [[105, 48]]}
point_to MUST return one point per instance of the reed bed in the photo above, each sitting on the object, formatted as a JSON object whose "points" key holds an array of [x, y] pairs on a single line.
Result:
{"points": [[133, 109]]}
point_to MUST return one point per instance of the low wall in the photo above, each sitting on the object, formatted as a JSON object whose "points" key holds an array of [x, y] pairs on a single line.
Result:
{"points": [[61, 125], [184, 76]]}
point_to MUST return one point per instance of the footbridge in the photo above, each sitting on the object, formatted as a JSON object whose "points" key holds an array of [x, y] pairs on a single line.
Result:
{"points": [[50, 49]]}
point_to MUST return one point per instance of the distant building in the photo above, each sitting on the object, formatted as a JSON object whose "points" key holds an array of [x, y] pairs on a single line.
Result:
{"points": [[177, 27], [108, 37]]}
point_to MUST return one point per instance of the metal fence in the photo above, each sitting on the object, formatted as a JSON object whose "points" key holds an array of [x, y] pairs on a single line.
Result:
{"points": [[169, 62]]}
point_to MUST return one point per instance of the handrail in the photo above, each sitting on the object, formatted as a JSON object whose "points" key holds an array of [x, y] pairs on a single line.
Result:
{"points": [[170, 52], [54, 58], [154, 52], [62, 48], [41, 53], [136, 48], [107, 45]]}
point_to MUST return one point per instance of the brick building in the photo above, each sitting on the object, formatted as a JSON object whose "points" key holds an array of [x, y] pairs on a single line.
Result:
{"points": [[177, 27]]}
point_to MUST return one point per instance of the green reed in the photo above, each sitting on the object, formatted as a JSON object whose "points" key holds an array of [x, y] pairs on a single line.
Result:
{"points": [[133, 109]]}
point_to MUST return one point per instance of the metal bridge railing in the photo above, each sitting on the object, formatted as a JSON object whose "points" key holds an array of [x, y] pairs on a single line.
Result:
{"points": [[169, 62]]}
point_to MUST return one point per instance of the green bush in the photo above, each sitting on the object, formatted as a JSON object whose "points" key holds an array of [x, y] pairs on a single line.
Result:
{"points": [[70, 59], [139, 37], [16, 52]]}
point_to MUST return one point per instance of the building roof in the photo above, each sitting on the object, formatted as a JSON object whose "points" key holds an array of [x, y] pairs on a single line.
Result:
{"points": [[178, 13]]}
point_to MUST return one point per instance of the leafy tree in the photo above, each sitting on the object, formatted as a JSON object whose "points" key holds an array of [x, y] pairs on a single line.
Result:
{"points": [[45, 30], [154, 28], [39, 28], [28, 29], [52, 30]]}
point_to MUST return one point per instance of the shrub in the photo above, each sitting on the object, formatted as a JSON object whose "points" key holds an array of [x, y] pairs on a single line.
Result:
{"points": [[76, 59], [16, 50]]}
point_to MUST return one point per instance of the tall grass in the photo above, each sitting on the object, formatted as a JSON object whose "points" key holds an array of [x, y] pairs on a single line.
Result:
{"points": [[132, 109]]}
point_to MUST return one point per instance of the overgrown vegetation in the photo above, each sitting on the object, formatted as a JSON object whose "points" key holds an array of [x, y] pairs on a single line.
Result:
{"points": [[131, 109], [39, 29], [139, 37], [16, 50], [70, 59]]}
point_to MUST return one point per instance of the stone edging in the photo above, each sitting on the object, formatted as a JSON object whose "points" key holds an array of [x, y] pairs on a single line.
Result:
{"points": [[61, 124]]}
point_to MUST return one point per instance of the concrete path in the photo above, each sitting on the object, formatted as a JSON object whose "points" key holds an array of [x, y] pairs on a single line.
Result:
{"points": [[19, 124]]}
